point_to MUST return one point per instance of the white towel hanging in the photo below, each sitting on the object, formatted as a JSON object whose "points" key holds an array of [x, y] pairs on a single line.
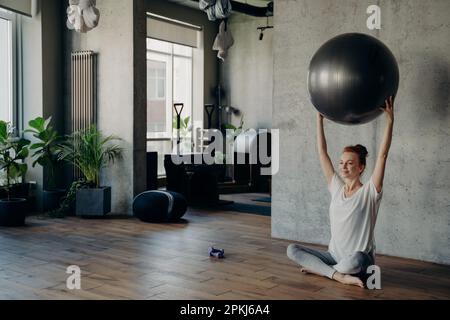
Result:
{"points": [[82, 15], [224, 40]]}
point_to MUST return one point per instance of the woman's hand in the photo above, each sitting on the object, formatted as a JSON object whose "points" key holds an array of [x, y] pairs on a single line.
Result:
{"points": [[319, 116], [380, 164], [389, 109]]}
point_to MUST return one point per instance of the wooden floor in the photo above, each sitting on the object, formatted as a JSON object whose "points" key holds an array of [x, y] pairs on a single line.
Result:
{"points": [[128, 259]]}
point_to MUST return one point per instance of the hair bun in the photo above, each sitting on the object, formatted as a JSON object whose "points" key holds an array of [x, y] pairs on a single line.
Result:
{"points": [[362, 150]]}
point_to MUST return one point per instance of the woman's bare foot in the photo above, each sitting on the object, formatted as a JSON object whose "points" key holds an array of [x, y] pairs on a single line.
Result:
{"points": [[348, 279]]}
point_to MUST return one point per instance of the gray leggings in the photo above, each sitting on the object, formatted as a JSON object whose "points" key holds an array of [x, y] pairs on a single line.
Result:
{"points": [[323, 263]]}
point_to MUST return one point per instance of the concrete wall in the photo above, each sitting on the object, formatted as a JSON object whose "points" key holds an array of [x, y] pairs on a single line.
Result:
{"points": [[113, 41], [140, 97], [247, 73], [414, 217], [53, 25]]}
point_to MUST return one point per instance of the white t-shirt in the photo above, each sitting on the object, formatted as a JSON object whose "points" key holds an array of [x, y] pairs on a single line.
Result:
{"points": [[352, 219]]}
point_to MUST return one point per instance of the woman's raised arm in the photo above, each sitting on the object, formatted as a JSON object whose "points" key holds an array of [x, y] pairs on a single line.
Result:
{"points": [[325, 162], [380, 165]]}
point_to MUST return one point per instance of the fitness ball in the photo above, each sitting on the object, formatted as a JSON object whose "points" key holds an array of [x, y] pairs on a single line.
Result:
{"points": [[350, 77]]}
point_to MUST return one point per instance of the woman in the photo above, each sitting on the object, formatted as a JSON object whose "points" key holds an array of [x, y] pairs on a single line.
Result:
{"points": [[353, 211]]}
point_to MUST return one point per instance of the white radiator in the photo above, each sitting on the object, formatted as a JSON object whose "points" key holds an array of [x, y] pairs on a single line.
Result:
{"points": [[84, 93], [84, 90]]}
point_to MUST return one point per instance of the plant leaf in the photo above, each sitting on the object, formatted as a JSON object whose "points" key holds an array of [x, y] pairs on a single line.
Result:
{"points": [[37, 123], [229, 126], [3, 130]]}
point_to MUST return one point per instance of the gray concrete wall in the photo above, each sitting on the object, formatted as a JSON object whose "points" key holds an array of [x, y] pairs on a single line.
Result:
{"points": [[414, 217], [247, 73], [140, 97], [113, 41], [53, 25]]}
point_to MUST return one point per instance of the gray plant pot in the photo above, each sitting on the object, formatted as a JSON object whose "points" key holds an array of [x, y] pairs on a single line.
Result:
{"points": [[52, 199], [13, 212], [93, 202]]}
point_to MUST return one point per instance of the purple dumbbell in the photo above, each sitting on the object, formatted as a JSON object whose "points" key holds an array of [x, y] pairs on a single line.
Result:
{"points": [[218, 253]]}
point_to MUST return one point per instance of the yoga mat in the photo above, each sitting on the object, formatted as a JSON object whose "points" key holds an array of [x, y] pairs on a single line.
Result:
{"points": [[248, 208], [264, 199]]}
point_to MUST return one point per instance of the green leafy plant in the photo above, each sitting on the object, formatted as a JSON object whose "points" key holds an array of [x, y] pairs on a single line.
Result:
{"points": [[47, 149], [236, 130], [230, 135], [90, 151], [185, 129], [13, 151], [184, 125], [67, 200]]}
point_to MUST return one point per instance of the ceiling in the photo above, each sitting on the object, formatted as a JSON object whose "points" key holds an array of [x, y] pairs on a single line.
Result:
{"points": [[254, 3]]}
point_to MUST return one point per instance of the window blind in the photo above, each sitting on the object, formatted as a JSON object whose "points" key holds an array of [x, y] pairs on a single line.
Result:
{"points": [[19, 6], [172, 31]]}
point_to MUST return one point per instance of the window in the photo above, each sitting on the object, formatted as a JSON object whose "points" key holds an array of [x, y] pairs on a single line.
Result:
{"points": [[175, 74], [169, 81], [7, 67], [156, 80]]}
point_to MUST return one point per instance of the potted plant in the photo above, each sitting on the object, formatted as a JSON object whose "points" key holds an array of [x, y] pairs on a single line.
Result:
{"points": [[89, 151], [13, 150], [231, 132], [46, 151]]}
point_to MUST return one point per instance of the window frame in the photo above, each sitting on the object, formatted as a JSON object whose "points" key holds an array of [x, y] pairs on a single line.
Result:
{"points": [[12, 18]]}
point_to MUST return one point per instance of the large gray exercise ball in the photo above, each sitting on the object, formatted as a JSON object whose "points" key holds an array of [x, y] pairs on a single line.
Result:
{"points": [[350, 77]]}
